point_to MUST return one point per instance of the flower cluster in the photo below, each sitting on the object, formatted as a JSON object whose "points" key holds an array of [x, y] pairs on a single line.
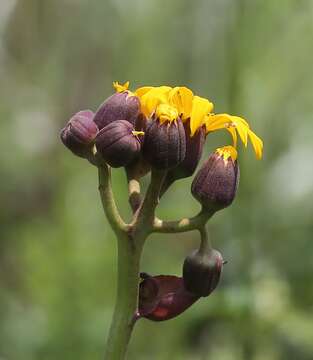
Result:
{"points": [[164, 129]]}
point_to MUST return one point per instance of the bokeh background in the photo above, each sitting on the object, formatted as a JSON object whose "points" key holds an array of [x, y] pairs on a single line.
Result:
{"points": [[57, 253]]}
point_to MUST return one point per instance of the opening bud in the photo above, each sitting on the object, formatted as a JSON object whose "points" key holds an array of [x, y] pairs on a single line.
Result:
{"points": [[121, 105], [163, 297], [194, 148], [201, 271], [215, 184], [165, 143], [118, 143], [79, 133]]}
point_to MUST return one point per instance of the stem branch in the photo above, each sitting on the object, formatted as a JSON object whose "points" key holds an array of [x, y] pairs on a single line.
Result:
{"points": [[133, 189], [182, 225], [107, 198]]}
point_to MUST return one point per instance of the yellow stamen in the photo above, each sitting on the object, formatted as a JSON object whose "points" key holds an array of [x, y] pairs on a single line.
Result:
{"points": [[120, 88], [136, 133], [227, 152]]}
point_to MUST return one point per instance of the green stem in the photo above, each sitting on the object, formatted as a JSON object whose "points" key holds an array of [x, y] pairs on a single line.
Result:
{"points": [[145, 217], [107, 198], [205, 244], [131, 238], [133, 189], [126, 299], [182, 225]]}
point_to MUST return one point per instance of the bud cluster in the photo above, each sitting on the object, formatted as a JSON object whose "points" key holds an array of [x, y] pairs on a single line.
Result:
{"points": [[122, 134], [165, 129]]}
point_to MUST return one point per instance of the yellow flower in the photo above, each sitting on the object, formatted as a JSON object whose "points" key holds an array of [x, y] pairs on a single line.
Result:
{"points": [[235, 124], [169, 103]]}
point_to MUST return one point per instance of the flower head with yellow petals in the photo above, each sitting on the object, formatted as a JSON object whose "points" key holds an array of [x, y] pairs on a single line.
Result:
{"points": [[170, 103]]}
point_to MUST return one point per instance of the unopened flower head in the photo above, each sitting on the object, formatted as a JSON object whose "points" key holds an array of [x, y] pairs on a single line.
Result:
{"points": [[118, 143], [79, 133], [215, 184], [202, 271]]}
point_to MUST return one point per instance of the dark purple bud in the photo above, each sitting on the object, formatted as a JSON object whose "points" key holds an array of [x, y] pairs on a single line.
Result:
{"points": [[201, 272], [163, 297], [216, 183], [79, 133], [118, 143], [121, 105], [164, 144], [194, 148]]}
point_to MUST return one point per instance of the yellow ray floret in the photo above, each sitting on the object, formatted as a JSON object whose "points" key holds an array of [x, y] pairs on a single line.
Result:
{"points": [[181, 98], [167, 104], [227, 152], [152, 98], [200, 108], [235, 124]]}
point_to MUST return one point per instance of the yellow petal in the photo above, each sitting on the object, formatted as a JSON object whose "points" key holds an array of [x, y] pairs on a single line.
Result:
{"points": [[143, 90], [257, 144], [200, 108], [216, 122], [242, 131], [233, 133], [120, 88], [152, 98], [181, 98]]}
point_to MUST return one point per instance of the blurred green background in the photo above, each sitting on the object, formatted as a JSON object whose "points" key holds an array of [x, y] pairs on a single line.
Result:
{"points": [[57, 253]]}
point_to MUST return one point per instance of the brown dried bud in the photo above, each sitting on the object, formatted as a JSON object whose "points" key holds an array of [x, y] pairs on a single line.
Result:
{"points": [[118, 143], [163, 297], [79, 133], [216, 183], [201, 272], [119, 106], [164, 144]]}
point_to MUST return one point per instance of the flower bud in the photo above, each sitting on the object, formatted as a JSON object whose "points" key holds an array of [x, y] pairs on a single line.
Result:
{"points": [[164, 144], [118, 143], [215, 184], [163, 297], [79, 133], [201, 272], [194, 147], [121, 105]]}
